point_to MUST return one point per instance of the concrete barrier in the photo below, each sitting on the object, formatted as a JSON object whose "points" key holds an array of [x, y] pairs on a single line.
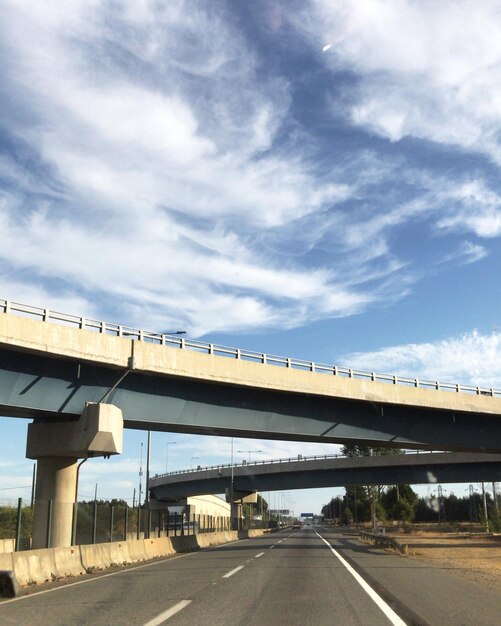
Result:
{"points": [[188, 543], [68, 562], [7, 545], [156, 547], [96, 556], [119, 553], [38, 566], [6, 562], [137, 550], [34, 566]]}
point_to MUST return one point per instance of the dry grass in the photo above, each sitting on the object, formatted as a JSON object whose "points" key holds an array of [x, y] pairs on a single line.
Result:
{"points": [[477, 557]]}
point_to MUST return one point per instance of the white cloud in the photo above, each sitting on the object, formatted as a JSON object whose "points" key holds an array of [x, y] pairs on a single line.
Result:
{"points": [[426, 70], [156, 176], [471, 359]]}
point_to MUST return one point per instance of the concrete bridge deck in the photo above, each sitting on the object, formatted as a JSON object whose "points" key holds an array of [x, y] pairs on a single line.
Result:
{"points": [[332, 471], [51, 370]]}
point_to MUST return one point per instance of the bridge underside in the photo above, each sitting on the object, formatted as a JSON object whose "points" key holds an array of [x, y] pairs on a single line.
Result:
{"points": [[33, 385], [298, 477]]}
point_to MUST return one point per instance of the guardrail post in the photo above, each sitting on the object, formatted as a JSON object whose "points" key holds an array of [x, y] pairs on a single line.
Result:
{"points": [[17, 547]]}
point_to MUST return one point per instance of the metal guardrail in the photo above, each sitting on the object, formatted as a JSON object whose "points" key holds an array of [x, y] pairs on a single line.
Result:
{"points": [[118, 330], [294, 459], [380, 539]]}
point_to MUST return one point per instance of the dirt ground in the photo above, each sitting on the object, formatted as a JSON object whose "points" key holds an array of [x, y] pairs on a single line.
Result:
{"points": [[477, 557]]}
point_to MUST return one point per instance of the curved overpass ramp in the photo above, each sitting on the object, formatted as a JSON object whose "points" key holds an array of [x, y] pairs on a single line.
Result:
{"points": [[330, 472]]}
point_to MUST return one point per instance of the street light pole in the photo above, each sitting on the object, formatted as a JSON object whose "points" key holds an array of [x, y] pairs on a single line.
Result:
{"points": [[249, 452]]}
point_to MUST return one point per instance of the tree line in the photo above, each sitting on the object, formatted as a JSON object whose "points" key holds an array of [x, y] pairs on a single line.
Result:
{"points": [[372, 503]]}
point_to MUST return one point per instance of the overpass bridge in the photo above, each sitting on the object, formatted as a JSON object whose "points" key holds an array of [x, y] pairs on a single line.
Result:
{"points": [[328, 471], [53, 364], [83, 380]]}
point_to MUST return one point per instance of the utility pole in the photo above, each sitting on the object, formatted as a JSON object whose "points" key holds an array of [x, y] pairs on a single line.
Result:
{"points": [[486, 515], [33, 486], [231, 487], [146, 489]]}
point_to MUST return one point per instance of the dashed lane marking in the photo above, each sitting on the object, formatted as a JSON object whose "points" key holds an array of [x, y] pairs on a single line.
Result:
{"points": [[233, 571], [163, 617]]}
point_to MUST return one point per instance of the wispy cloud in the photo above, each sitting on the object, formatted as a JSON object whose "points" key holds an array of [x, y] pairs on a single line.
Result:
{"points": [[425, 70], [158, 166], [472, 358]]}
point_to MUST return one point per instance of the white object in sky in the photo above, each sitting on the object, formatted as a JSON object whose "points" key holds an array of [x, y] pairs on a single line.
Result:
{"points": [[325, 48]]}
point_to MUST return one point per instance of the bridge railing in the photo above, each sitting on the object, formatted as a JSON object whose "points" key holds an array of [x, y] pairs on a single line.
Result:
{"points": [[292, 459], [165, 339]]}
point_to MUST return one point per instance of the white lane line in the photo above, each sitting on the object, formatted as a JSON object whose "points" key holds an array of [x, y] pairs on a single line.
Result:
{"points": [[163, 617], [94, 578], [258, 555], [387, 610], [233, 571], [120, 572], [271, 547]]}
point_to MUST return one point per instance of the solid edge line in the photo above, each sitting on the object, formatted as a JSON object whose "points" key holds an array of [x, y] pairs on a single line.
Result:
{"points": [[88, 580], [122, 571], [233, 571], [375, 597], [163, 617]]}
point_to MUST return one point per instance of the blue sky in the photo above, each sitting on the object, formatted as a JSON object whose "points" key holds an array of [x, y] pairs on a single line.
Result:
{"points": [[312, 179]]}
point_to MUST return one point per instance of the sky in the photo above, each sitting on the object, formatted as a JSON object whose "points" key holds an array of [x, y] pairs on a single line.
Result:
{"points": [[317, 180]]}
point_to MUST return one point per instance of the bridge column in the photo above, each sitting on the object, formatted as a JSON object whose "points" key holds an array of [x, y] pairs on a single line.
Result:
{"points": [[236, 515], [239, 499], [57, 446], [56, 482]]}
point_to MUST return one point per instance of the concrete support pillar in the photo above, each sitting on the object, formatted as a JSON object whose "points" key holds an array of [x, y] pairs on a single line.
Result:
{"points": [[57, 446], [56, 481], [236, 515]]}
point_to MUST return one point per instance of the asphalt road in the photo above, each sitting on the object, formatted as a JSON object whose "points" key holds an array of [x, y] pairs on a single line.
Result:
{"points": [[304, 577]]}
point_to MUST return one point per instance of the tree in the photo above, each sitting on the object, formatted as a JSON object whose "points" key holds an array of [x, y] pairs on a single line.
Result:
{"points": [[400, 503], [370, 493]]}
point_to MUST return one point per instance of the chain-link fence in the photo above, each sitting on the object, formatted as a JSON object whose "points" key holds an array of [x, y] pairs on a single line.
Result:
{"points": [[99, 522], [16, 522]]}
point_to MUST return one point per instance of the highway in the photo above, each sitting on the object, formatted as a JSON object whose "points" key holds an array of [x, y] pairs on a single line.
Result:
{"points": [[312, 576]]}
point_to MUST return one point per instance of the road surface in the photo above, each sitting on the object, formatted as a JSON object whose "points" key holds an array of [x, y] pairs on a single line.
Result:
{"points": [[312, 576]]}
